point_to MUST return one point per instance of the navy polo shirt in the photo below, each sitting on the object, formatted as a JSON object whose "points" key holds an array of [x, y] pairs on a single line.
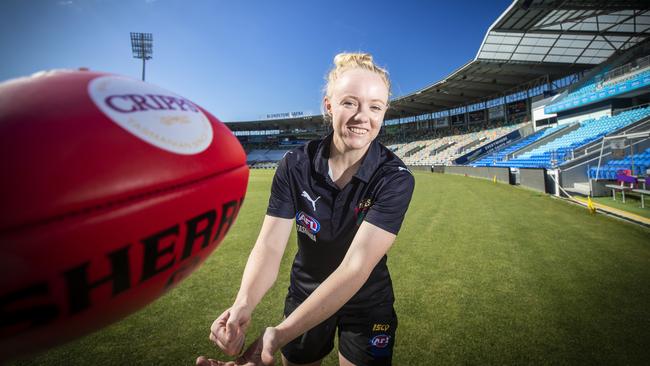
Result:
{"points": [[327, 217]]}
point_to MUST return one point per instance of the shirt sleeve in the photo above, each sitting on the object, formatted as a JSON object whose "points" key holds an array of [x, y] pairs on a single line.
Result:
{"points": [[391, 203], [281, 200]]}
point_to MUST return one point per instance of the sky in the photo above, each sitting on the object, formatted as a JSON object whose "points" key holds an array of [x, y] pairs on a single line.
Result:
{"points": [[244, 59]]}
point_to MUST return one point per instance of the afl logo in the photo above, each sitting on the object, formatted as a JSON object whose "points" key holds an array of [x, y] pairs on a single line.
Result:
{"points": [[307, 221], [380, 341], [155, 115]]}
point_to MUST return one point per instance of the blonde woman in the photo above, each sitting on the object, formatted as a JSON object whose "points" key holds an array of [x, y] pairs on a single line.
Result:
{"points": [[347, 196]]}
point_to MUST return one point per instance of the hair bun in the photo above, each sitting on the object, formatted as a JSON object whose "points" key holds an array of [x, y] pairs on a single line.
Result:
{"points": [[345, 60]]}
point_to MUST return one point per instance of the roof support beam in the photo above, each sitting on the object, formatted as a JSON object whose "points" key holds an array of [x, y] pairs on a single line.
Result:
{"points": [[499, 77], [428, 105], [534, 69], [570, 19], [589, 5], [575, 32], [467, 93], [438, 102], [446, 95], [457, 87], [411, 107]]}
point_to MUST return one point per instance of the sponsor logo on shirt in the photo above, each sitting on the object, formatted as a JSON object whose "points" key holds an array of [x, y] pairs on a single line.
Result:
{"points": [[380, 341], [362, 209], [380, 327], [379, 345], [308, 198], [307, 225]]}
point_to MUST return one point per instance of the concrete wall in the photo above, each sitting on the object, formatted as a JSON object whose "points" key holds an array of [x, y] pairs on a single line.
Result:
{"points": [[438, 169], [533, 179], [426, 168], [536, 179]]}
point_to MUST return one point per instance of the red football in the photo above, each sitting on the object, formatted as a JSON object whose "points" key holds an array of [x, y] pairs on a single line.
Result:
{"points": [[112, 191]]}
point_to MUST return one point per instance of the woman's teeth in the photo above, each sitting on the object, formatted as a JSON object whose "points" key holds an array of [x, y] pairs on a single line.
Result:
{"points": [[358, 131]]}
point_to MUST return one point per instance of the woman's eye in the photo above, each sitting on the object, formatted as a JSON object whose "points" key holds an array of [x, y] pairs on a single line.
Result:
{"points": [[376, 108], [348, 103]]}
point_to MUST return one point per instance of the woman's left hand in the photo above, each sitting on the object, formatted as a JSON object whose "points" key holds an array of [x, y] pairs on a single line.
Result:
{"points": [[259, 353]]}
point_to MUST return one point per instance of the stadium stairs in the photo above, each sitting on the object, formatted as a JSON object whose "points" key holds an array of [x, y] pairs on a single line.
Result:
{"points": [[442, 148]]}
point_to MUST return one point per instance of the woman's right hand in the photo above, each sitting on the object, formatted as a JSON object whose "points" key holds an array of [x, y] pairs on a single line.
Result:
{"points": [[228, 332]]}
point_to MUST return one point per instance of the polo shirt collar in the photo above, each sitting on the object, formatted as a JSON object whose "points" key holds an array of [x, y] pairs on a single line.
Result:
{"points": [[366, 169]]}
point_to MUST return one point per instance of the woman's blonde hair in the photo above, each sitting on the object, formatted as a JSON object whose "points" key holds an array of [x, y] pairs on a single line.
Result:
{"points": [[348, 60]]}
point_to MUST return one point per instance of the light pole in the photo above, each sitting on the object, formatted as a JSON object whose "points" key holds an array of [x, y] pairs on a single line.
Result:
{"points": [[142, 46]]}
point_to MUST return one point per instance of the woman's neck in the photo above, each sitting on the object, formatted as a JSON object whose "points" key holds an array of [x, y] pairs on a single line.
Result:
{"points": [[344, 163]]}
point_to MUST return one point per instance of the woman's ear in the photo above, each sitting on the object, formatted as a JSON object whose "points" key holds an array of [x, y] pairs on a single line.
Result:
{"points": [[327, 106]]}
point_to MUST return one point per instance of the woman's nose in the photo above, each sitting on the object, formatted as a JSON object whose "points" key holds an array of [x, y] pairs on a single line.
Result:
{"points": [[362, 115]]}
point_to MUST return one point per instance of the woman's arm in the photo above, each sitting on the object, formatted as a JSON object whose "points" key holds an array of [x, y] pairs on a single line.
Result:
{"points": [[369, 245], [261, 271], [264, 261]]}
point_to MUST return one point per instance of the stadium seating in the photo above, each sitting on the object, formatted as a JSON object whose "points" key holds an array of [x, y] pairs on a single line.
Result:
{"points": [[557, 151], [258, 156], [444, 150], [500, 155], [637, 164], [606, 84]]}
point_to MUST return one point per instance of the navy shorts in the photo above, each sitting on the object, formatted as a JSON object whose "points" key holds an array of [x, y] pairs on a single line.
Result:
{"points": [[366, 336]]}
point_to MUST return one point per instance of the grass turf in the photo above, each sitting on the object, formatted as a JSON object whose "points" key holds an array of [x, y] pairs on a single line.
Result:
{"points": [[484, 274], [632, 203]]}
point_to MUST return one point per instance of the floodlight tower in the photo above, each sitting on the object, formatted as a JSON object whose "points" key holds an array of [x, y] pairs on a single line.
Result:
{"points": [[142, 46]]}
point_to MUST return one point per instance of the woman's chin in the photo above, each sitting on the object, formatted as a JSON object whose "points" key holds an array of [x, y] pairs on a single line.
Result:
{"points": [[357, 142]]}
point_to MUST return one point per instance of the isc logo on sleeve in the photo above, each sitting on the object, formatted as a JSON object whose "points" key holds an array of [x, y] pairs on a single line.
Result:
{"points": [[380, 327]]}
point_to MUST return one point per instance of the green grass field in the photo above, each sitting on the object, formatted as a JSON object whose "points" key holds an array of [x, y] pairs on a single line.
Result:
{"points": [[632, 204], [484, 274]]}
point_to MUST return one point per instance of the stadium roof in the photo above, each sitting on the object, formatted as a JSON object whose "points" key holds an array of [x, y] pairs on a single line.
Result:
{"points": [[531, 40], [575, 32]]}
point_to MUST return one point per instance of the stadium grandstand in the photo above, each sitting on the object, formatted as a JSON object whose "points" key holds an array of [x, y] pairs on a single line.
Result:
{"points": [[557, 98]]}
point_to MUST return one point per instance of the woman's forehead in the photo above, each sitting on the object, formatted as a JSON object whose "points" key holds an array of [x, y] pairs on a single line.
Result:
{"points": [[361, 83]]}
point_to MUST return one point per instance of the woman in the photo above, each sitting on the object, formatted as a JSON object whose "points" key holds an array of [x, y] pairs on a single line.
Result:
{"points": [[348, 195]]}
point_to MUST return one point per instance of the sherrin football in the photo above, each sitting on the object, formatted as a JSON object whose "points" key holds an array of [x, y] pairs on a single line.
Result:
{"points": [[112, 191]]}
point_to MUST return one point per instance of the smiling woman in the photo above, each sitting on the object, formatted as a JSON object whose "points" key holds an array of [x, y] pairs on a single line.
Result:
{"points": [[355, 102], [347, 195]]}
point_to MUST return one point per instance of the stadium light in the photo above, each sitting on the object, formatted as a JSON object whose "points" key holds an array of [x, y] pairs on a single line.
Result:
{"points": [[142, 46]]}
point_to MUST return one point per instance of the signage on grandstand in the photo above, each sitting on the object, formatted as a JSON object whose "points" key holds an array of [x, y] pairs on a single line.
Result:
{"points": [[492, 146], [285, 115], [572, 101]]}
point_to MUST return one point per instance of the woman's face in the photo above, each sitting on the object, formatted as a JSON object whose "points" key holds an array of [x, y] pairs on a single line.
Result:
{"points": [[358, 104]]}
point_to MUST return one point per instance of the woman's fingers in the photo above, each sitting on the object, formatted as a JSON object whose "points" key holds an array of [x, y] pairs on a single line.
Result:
{"points": [[203, 361]]}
